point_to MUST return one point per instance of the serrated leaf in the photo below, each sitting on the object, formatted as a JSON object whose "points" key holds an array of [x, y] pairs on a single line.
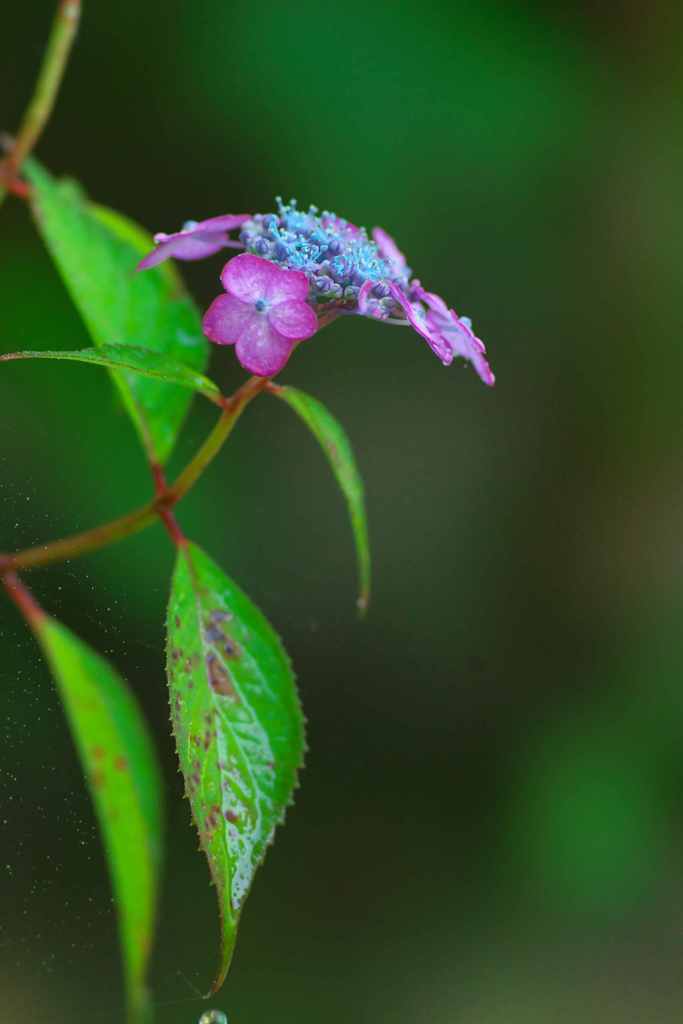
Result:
{"points": [[129, 357], [96, 251], [120, 766], [337, 448], [237, 723]]}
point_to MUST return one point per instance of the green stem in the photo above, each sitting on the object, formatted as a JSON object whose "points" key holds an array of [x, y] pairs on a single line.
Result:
{"points": [[81, 543], [139, 519], [50, 76]]}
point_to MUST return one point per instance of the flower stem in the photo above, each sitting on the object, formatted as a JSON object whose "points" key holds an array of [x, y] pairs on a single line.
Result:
{"points": [[159, 507], [59, 44]]}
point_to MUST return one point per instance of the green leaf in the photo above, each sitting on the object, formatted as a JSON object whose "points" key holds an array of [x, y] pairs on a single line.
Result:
{"points": [[96, 251], [120, 766], [129, 357], [337, 448], [237, 723]]}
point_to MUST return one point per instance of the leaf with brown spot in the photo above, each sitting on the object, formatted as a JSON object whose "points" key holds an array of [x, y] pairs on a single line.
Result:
{"points": [[120, 766], [237, 723]]}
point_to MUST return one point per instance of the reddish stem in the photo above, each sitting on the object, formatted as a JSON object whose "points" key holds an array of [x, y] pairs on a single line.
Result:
{"points": [[140, 518], [19, 188], [23, 599], [159, 477], [165, 499]]}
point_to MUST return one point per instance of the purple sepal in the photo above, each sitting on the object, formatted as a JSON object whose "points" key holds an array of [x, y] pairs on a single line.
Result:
{"points": [[417, 318], [195, 241], [458, 332]]}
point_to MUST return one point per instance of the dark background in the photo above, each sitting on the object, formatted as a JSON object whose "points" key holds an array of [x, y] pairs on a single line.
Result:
{"points": [[489, 828]]}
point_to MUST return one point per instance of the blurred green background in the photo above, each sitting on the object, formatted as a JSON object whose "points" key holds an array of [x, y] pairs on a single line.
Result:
{"points": [[490, 824]]}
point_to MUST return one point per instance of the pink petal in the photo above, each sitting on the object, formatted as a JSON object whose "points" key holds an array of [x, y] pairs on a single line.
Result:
{"points": [[364, 295], [251, 278], [260, 348], [435, 302], [419, 321], [185, 247], [158, 255], [287, 285], [293, 319], [456, 332], [195, 246], [465, 343], [248, 277], [225, 222], [389, 251], [194, 243], [225, 319]]}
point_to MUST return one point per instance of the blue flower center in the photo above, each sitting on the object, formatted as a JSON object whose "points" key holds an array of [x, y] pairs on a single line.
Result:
{"points": [[260, 305], [336, 256]]}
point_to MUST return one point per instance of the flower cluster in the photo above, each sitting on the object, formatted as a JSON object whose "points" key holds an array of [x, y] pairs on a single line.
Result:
{"points": [[299, 271]]}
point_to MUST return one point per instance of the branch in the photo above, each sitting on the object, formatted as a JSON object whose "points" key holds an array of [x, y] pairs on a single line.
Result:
{"points": [[42, 103], [165, 498]]}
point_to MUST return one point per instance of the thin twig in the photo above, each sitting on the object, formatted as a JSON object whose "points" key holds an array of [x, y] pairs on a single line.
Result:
{"points": [[163, 501], [161, 490], [37, 113], [23, 599]]}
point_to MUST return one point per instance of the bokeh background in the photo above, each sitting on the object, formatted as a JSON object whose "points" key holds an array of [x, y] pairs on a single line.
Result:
{"points": [[490, 824]]}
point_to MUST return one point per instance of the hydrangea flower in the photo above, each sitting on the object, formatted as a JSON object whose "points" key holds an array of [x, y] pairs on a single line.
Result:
{"points": [[264, 313], [301, 270]]}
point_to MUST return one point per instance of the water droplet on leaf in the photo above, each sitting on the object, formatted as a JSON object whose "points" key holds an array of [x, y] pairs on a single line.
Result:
{"points": [[213, 1017]]}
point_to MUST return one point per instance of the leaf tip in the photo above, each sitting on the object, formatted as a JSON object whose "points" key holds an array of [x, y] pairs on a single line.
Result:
{"points": [[218, 981]]}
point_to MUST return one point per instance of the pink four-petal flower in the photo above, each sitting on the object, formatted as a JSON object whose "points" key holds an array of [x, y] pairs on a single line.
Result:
{"points": [[264, 313]]}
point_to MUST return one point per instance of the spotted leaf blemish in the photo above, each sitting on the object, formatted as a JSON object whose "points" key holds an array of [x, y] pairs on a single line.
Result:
{"points": [[118, 760], [238, 718], [219, 678]]}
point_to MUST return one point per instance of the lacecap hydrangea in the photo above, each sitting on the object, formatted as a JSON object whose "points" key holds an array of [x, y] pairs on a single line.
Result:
{"points": [[297, 271]]}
